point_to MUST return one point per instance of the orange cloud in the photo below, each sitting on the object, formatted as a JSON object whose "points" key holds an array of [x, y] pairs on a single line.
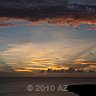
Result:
{"points": [[68, 18], [40, 60], [85, 62], [72, 18]]}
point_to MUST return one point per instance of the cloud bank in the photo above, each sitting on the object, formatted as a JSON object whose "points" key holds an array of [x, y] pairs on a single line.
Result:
{"points": [[50, 11]]}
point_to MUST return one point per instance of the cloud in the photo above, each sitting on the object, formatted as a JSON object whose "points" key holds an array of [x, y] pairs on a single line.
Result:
{"points": [[5, 67], [92, 28], [6, 25], [42, 56], [6, 22], [90, 2], [80, 66], [76, 65], [59, 20], [29, 54], [86, 62], [51, 11]]}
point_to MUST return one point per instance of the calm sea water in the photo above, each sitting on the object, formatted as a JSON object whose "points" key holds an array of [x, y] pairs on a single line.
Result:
{"points": [[14, 86]]}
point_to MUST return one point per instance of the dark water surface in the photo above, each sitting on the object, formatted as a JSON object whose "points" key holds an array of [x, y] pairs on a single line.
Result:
{"points": [[17, 86]]}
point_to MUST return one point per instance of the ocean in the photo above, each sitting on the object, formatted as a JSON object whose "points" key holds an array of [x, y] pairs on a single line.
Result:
{"points": [[40, 86]]}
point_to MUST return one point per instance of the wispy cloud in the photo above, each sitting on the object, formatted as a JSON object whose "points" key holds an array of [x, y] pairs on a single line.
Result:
{"points": [[41, 56], [92, 28]]}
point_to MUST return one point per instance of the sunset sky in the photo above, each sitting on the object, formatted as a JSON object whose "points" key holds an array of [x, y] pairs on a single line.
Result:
{"points": [[57, 43]]}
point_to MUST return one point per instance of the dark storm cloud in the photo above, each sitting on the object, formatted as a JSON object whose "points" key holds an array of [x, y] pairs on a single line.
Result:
{"points": [[89, 2], [51, 11]]}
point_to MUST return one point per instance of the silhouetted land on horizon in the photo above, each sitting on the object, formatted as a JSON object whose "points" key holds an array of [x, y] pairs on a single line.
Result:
{"points": [[83, 90]]}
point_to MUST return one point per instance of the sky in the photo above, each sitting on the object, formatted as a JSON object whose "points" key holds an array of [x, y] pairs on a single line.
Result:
{"points": [[46, 40]]}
